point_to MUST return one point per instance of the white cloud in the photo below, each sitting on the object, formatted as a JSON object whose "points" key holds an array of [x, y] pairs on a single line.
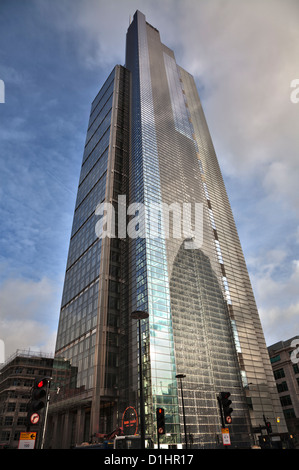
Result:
{"points": [[281, 180], [277, 296], [244, 56], [280, 324], [28, 315]]}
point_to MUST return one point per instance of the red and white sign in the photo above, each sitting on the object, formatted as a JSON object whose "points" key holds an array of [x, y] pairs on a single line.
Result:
{"points": [[34, 418]]}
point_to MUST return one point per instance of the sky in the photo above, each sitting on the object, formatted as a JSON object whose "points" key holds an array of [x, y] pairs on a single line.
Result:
{"points": [[54, 57]]}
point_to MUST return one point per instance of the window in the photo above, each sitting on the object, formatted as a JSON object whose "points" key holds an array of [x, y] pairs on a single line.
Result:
{"points": [[275, 359], [11, 407], [279, 374], [289, 413], [22, 421], [282, 387], [5, 435], [286, 400], [23, 407]]}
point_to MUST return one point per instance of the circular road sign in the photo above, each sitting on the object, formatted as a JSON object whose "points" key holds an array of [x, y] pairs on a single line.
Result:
{"points": [[34, 418], [130, 421]]}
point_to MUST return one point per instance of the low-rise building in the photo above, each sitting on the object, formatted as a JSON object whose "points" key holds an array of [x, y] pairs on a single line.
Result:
{"points": [[284, 357], [17, 376]]}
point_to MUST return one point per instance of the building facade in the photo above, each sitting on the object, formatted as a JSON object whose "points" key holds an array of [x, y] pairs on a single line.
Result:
{"points": [[285, 365], [17, 375], [153, 232], [88, 337]]}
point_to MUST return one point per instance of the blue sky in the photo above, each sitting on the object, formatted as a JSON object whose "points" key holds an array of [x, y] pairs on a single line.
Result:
{"points": [[54, 57]]}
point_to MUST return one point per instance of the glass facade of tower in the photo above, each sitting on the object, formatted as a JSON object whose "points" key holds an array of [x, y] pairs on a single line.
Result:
{"points": [[149, 275], [148, 146], [88, 338], [198, 323]]}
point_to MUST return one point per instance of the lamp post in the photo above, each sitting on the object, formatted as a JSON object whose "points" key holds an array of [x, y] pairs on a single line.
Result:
{"points": [[141, 315], [182, 376]]}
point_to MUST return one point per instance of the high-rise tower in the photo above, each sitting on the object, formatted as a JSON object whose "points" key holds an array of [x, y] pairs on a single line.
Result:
{"points": [[153, 231]]}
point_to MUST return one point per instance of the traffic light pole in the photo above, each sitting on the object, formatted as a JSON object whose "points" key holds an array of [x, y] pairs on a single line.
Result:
{"points": [[225, 410], [267, 429], [160, 423], [39, 399], [220, 409]]}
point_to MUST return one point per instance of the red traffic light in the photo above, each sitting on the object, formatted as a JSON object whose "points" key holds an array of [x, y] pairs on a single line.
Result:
{"points": [[40, 383], [225, 403], [38, 395], [160, 420]]}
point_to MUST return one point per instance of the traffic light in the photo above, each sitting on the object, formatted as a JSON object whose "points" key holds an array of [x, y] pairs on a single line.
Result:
{"points": [[38, 400], [160, 421], [268, 427], [226, 407], [39, 394]]}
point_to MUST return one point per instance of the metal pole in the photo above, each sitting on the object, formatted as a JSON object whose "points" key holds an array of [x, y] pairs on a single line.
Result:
{"points": [[46, 414], [142, 430], [181, 376], [158, 437], [186, 443]]}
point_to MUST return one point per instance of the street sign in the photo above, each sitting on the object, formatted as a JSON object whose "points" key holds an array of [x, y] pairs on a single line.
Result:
{"points": [[130, 421], [34, 418], [27, 440], [225, 437]]}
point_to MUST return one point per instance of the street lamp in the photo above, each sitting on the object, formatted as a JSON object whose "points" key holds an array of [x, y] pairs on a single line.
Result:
{"points": [[182, 376], [141, 315]]}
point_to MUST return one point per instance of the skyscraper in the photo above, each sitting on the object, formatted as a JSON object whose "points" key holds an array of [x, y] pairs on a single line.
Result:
{"points": [[153, 232]]}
